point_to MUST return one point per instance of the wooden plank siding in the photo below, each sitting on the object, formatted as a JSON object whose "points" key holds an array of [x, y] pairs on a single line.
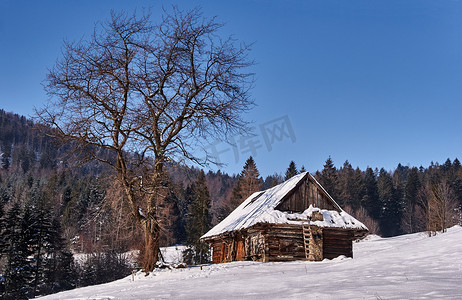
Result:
{"points": [[228, 249], [305, 194], [218, 249]]}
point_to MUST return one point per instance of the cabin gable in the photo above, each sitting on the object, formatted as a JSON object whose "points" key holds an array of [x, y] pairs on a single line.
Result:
{"points": [[307, 192]]}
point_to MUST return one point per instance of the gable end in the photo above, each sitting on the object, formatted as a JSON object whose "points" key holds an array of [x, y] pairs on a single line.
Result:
{"points": [[307, 192]]}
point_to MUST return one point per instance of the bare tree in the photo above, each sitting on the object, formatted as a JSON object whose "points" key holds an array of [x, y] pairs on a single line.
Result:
{"points": [[363, 216], [440, 204], [415, 217], [149, 94]]}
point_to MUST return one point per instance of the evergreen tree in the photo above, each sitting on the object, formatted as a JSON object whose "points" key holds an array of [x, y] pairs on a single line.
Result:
{"points": [[411, 204], [291, 171], [249, 182], [271, 180], [18, 267], [454, 179], [65, 273], [371, 199], [198, 221], [302, 169], [358, 189], [49, 254], [346, 180], [447, 165], [2, 229], [328, 178], [390, 218], [456, 164]]}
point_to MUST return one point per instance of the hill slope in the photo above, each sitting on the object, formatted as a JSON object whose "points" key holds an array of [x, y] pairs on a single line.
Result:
{"points": [[408, 266]]}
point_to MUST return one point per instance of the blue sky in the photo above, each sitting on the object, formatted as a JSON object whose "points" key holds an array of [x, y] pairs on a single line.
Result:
{"points": [[375, 82]]}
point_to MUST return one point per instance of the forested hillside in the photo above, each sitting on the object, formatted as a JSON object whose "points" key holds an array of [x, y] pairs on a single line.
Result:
{"points": [[405, 200], [51, 205]]}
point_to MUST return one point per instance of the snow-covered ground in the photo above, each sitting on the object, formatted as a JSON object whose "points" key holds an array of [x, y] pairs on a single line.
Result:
{"points": [[406, 267]]}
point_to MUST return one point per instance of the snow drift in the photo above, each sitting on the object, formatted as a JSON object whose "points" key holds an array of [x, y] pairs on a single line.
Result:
{"points": [[410, 266]]}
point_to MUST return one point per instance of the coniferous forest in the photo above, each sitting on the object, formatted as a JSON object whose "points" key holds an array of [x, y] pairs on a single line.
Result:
{"points": [[64, 224]]}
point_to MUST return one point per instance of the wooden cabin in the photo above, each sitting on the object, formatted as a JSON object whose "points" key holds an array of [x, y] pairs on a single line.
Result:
{"points": [[295, 220]]}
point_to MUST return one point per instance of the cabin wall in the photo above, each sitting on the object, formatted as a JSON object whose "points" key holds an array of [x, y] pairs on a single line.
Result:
{"points": [[254, 245], [282, 242], [218, 251], [228, 249], [337, 242], [305, 194]]}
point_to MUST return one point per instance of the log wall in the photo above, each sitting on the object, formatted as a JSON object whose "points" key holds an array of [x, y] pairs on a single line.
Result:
{"points": [[282, 242], [337, 242], [228, 249]]}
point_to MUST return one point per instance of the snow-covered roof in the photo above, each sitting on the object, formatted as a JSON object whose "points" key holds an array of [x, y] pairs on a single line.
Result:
{"points": [[260, 207]]}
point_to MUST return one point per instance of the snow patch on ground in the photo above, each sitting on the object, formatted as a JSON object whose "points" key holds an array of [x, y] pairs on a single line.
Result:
{"points": [[412, 266], [173, 254]]}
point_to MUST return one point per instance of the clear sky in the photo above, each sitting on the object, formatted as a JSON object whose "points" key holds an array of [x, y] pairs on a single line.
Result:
{"points": [[375, 82]]}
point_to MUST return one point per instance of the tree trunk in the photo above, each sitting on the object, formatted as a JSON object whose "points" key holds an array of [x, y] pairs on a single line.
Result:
{"points": [[151, 223], [151, 242]]}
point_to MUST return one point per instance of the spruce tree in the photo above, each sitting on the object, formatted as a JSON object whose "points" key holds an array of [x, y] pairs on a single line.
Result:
{"points": [[358, 189], [198, 221], [49, 247], [18, 268], [411, 204], [249, 182], [390, 218], [291, 170], [328, 178], [346, 180], [371, 199], [271, 180], [2, 229]]}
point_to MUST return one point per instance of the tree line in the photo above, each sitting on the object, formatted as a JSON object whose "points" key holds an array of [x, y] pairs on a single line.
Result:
{"points": [[404, 200], [88, 206]]}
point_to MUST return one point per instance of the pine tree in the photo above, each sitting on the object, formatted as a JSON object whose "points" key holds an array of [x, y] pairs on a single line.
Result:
{"points": [[60, 269], [454, 179], [2, 229], [3, 247], [18, 268], [456, 164], [346, 180], [371, 199], [198, 221], [358, 189], [390, 218], [249, 182], [328, 178], [271, 180], [291, 171], [49, 246], [411, 203]]}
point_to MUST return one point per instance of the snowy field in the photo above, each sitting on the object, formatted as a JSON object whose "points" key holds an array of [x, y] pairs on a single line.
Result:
{"points": [[406, 267]]}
